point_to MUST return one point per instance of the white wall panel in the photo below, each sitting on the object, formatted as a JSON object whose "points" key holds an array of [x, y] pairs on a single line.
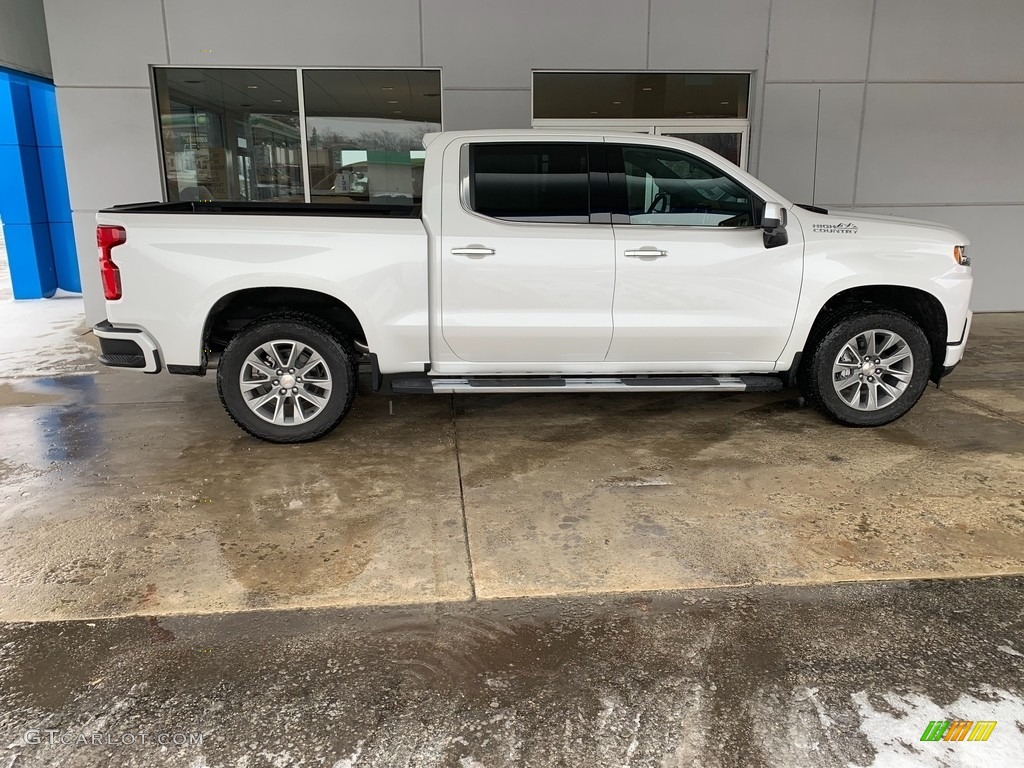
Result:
{"points": [[105, 42], [819, 39], [953, 40], [996, 249], [724, 34], [468, 110], [928, 143], [337, 33], [787, 144], [88, 265], [110, 145], [496, 43], [23, 42]]}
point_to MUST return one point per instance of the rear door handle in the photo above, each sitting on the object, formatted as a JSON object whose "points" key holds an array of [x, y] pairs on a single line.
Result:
{"points": [[473, 251], [646, 253]]}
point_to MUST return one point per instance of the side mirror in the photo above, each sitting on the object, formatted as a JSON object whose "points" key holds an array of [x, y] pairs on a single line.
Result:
{"points": [[773, 222], [774, 218]]}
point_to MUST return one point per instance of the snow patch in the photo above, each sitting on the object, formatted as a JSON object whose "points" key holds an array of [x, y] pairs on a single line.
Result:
{"points": [[40, 337], [896, 738], [351, 760]]}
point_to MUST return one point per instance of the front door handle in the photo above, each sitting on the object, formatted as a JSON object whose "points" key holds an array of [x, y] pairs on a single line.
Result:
{"points": [[473, 251], [646, 253]]}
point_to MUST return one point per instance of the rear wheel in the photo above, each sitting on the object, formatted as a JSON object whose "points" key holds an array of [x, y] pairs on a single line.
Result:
{"points": [[286, 379], [869, 369]]}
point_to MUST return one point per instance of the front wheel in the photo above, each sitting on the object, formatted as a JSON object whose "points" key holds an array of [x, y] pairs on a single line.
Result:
{"points": [[869, 369], [286, 379]]}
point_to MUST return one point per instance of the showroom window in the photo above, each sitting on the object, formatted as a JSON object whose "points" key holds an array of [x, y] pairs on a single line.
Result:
{"points": [[294, 135], [530, 182], [707, 108]]}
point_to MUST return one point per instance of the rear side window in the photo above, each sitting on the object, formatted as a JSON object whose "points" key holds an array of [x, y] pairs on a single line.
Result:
{"points": [[530, 182]]}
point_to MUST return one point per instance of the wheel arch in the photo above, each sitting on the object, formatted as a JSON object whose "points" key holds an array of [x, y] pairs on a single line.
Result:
{"points": [[237, 309], [921, 306]]}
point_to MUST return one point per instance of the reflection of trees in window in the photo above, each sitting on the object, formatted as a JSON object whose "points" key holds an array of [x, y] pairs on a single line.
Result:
{"points": [[393, 141]]}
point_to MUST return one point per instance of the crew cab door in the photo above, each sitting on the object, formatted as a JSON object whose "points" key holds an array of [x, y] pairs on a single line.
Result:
{"points": [[696, 284], [526, 277]]}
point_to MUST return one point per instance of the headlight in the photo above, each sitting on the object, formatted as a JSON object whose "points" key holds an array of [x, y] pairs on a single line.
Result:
{"points": [[960, 255]]}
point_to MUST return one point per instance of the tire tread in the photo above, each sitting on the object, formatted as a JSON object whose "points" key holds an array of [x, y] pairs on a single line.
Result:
{"points": [[317, 325], [833, 326]]}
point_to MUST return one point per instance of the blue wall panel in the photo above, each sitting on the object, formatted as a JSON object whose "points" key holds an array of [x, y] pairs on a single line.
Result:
{"points": [[65, 256], [34, 203], [22, 200], [44, 114], [32, 277]]}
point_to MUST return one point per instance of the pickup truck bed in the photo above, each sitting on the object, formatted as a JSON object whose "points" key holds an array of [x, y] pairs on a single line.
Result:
{"points": [[233, 208]]}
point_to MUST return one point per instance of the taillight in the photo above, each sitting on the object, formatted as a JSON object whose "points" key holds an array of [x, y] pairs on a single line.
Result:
{"points": [[108, 237]]}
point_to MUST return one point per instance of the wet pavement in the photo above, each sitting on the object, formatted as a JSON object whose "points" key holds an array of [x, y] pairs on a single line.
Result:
{"points": [[842, 675], [123, 493], [636, 579]]}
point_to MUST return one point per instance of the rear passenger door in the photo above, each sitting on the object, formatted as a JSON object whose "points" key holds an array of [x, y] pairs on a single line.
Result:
{"points": [[527, 272]]}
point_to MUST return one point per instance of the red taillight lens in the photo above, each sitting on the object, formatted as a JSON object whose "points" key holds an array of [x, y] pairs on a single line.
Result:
{"points": [[108, 237]]}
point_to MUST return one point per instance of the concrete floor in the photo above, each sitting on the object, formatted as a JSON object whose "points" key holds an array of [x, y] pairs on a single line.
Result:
{"points": [[123, 493], [125, 496]]}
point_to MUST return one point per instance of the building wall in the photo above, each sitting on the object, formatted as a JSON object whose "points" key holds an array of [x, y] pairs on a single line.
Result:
{"points": [[23, 42], [921, 100]]}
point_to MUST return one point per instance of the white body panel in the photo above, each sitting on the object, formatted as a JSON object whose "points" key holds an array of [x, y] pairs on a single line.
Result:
{"points": [[175, 267], [882, 251], [552, 299], [543, 296], [716, 296]]}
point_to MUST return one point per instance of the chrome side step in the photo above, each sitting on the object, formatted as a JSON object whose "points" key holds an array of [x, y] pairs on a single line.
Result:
{"points": [[482, 384]]}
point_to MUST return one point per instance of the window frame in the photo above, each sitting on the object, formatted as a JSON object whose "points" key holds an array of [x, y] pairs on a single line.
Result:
{"points": [[619, 190], [666, 128], [599, 198], [303, 138], [653, 126]]}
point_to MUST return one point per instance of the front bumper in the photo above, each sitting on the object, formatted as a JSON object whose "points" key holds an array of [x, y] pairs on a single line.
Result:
{"points": [[955, 349], [127, 348]]}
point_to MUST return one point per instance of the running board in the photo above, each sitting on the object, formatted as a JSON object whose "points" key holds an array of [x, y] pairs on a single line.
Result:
{"points": [[481, 384]]}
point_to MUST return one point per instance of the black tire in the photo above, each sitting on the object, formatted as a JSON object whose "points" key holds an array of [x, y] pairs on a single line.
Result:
{"points": [[817, 383], [337, 356]]}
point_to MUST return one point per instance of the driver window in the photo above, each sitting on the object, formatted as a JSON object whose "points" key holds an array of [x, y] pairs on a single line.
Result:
{"points": [[672, 188]]}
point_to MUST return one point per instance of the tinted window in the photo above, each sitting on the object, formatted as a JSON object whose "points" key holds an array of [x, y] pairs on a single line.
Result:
{"points": [[530, 182], [668, 187], [640, 95], [235, 134], [230, 134], [364, 133]]}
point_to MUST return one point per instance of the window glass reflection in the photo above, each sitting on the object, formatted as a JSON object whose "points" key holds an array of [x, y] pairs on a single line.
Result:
{"points": [[640, 95], [364, 131], [230, 134], [728, 145]]}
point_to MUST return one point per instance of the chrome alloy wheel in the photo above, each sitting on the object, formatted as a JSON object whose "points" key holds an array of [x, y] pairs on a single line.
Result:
{"points": [[873, 369], [285, 382]]}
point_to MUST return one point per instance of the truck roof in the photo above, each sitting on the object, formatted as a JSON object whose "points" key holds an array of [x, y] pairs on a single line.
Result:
{"points": [[430, 138]]}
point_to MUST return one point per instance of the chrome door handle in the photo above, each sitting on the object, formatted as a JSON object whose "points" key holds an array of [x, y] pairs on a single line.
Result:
{"points": [[473, 250], [645, 253]]}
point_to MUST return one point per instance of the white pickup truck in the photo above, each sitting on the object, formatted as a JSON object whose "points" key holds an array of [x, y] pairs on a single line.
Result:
{"points": [[537, 261]]}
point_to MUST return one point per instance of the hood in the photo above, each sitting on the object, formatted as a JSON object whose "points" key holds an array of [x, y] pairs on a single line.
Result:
{"points": [[840, 222]]}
